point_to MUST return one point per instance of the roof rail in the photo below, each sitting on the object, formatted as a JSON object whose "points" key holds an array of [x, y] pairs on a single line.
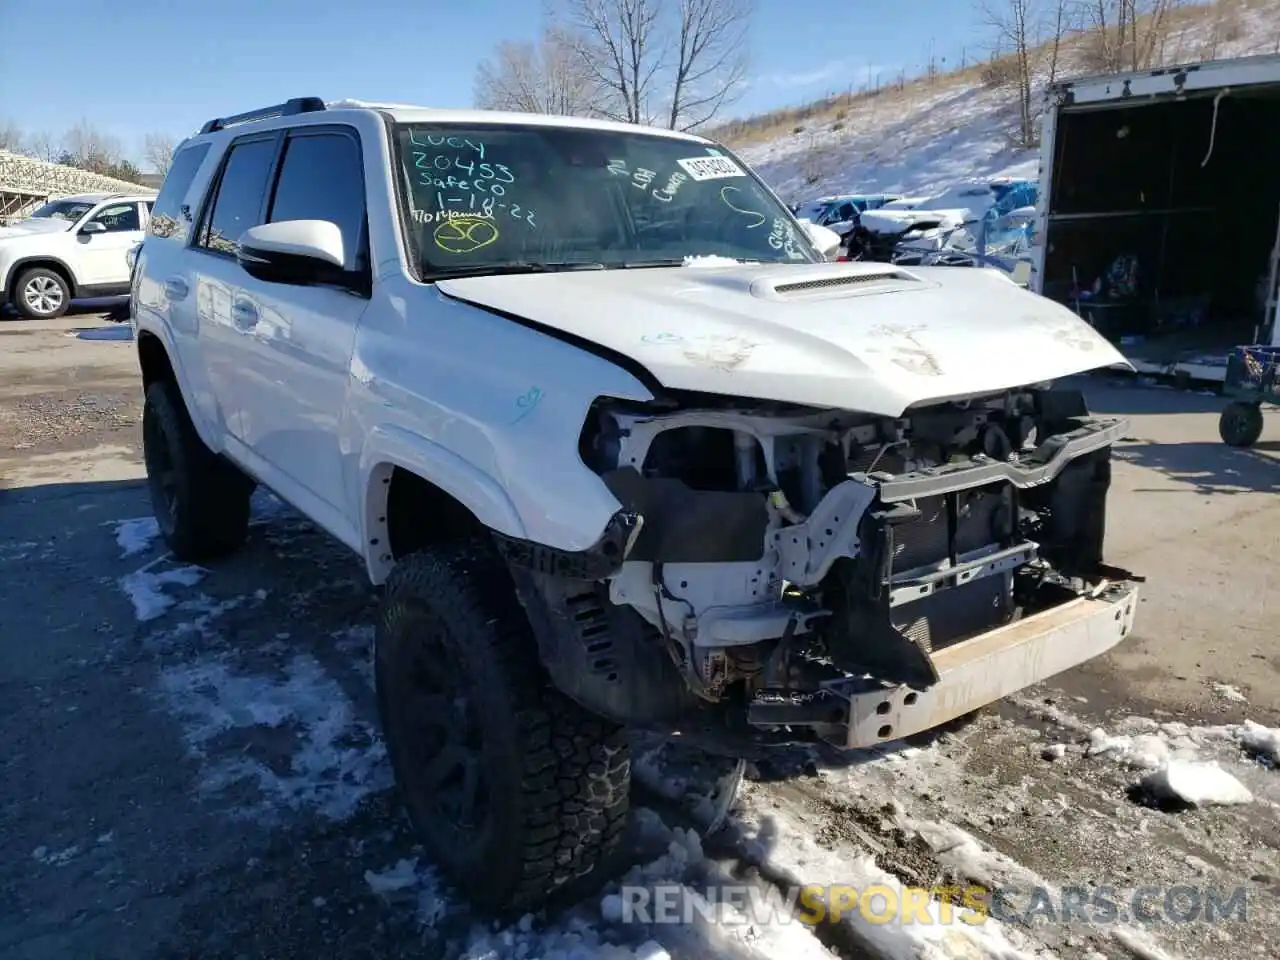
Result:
{"points": [[287, 109]]}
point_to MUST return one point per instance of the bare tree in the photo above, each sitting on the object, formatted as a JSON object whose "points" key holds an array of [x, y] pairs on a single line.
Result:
{"points": [[43, 146], [544, 77], [620, 46], [1013, 23], [89, 148], [1059, 22], [710, 60], [1127, 34], [157, 150], [11, 137], [676, 63]]}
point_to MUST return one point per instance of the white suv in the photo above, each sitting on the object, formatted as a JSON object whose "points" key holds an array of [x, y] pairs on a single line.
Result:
{"points": [[621, 450], [71, 247]]}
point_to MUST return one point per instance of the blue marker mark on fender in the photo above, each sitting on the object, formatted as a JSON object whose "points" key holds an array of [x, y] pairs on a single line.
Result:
{"points": [[527, 402]]}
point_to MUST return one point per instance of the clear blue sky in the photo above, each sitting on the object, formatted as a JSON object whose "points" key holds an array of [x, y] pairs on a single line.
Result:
{"points": [[130, 67]]}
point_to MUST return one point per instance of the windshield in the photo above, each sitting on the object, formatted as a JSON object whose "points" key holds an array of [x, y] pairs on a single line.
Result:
{"points": [[485, 199], [70, 210]]}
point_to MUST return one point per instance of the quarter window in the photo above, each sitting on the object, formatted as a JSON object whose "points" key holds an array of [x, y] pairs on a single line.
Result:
{"points": [[168, 219], [238, 203]]}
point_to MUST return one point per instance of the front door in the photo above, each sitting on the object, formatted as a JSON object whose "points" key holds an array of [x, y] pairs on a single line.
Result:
{"points": [[289, 346], [101, 257]]}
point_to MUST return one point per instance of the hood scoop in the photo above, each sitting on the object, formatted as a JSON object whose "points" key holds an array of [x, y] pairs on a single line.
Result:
{"points": [[878, 279]]}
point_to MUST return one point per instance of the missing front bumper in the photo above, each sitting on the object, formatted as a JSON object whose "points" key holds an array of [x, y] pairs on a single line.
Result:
{"points": [[986, 668]]}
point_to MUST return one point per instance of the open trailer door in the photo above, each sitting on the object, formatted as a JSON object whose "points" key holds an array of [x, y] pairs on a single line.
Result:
{"points": [[1159, 209]]}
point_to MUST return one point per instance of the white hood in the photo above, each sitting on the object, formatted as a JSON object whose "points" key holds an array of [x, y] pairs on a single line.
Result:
{"points": [[33, 226], [866, 336]]}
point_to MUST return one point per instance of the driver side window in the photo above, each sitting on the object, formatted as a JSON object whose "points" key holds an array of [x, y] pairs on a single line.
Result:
{"points": [[119, 217]]}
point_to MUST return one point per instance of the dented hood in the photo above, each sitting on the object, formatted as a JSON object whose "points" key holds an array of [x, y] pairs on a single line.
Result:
{"points": [[855, 336]]}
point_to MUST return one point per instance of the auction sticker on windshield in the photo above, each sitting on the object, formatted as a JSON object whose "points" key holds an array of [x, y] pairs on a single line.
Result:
{"points": [[711, 168]]}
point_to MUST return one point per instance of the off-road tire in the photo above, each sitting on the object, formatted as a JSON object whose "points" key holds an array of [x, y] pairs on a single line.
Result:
{"points": [[57, 286], [201, 501], [556, 778], [1240, 424]]}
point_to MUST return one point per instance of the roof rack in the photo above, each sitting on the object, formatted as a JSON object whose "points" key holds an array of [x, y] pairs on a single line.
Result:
{"points": [[287, 109]]}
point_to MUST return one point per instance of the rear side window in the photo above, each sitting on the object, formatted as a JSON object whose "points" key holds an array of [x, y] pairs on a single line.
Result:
{"points": [[321, 178], [168, 220], [237, 206]]}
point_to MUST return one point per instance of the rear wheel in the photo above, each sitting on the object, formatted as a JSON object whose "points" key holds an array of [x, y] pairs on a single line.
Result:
{"points": [[41, 294], [201, 502], [519, 793], [1240, 424]]}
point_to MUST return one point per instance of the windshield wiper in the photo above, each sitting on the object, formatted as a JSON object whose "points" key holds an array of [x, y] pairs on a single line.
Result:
{"points": [[670, 262], [517, 266]]}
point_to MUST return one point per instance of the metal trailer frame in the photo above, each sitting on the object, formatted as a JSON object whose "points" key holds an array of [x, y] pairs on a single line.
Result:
{"points": [[1111, 91]]}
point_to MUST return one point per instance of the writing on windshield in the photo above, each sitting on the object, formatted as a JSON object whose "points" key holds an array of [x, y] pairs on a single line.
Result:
{"points": [[537, 194]]}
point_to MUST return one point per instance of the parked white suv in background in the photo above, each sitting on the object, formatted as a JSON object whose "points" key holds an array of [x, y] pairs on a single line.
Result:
{"points": [[622, 450], [72, 247]]}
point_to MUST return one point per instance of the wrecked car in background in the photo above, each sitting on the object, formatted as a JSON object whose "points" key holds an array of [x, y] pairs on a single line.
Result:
{"points": [[941, 229]]}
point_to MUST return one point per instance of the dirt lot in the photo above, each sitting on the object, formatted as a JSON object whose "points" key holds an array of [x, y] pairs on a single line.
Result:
{"points": [[191, 763]]}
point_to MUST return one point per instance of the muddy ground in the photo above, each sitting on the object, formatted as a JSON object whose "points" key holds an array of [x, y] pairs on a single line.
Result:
{"points": [[190, 764]]}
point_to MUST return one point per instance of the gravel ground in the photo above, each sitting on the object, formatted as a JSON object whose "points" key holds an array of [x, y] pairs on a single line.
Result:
{"points": [[192, 766]]}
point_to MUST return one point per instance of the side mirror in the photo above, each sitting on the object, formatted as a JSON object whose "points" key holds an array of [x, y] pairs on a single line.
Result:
{"points": [[294, 251], [827, 241], [94, 226]]}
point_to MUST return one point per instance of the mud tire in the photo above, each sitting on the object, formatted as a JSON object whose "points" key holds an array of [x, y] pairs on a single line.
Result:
{"points": [[200, 500], [555, 779]]}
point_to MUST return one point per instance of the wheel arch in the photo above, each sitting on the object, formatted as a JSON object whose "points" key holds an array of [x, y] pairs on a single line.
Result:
{"points": [[153, 359], [416, 493], [56, 264]]}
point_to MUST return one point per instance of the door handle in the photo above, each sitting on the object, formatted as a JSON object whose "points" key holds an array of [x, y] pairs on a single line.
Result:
{"points": [[175, 288], [244, 314]]}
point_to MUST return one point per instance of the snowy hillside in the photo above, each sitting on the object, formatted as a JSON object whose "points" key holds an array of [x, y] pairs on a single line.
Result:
{"points": [[924, 137]]}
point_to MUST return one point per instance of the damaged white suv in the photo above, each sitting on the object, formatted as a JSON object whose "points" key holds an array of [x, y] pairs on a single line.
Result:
{"points": [[622, 449]]}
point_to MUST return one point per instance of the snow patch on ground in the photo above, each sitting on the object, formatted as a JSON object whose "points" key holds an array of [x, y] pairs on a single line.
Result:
{"points": [[55, 858], [145, 588], [1144, 744], [1199, 784], [1259, 741], [136, 535], [788, 845], [303, 746], [1228, 692]]}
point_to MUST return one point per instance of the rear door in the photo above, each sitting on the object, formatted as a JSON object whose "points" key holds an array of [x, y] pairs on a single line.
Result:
{"points": [[236, 202]]}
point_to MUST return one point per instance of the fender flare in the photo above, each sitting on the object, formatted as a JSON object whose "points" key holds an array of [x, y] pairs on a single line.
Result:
{"points": [[387, 447]]}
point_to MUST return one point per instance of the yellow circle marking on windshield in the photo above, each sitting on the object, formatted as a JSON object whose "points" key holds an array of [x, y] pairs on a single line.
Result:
{"points": [[465, 234]]}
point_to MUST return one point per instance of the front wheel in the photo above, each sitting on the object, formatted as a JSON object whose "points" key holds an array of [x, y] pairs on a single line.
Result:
{"points": [[1240, 424], [41, 294], [519, 793]]}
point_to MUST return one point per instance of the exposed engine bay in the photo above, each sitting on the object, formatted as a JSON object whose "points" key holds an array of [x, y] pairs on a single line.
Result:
{"points": [[776, 558]]}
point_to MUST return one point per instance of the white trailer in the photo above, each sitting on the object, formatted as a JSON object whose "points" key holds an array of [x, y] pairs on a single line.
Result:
{"points": [[1159, 209]]}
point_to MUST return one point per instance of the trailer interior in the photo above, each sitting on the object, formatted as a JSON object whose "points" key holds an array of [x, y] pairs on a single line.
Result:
{"points": [[1163, 220]]}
